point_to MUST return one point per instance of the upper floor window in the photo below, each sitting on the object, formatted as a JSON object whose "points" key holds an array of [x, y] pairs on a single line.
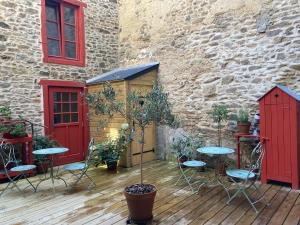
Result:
{"points": [[63, 32]]}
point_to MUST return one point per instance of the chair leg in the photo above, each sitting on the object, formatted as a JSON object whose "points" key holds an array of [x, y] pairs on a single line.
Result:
{"points": [[261, 196], [249, 200], [92, 183], [233, 196], [7, 186]]}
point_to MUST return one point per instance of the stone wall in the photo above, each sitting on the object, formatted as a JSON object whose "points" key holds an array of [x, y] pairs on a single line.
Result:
{"points": [[213, 51], [21, 65]]}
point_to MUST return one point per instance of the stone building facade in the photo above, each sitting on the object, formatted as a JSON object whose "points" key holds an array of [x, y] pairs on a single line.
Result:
{"points": [[210, 51], [21, 55], [213, 51]]}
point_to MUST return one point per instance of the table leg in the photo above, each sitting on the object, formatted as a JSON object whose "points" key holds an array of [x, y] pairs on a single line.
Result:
{"points": [[51, 174], [238, 153]]}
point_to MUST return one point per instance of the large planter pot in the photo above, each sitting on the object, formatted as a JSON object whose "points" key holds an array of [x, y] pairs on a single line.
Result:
{"points": [[243, 128], [140, 206]]}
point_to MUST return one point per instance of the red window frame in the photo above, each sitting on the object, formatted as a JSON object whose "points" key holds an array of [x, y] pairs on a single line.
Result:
{"points": [[79, 34]]}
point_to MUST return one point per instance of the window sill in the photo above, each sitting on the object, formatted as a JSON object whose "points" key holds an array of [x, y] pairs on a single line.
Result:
{"points": [[62, 61]]}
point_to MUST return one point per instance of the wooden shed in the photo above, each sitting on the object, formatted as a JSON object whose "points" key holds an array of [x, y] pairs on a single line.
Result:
{"points": [[136, 78], [280, 127]]}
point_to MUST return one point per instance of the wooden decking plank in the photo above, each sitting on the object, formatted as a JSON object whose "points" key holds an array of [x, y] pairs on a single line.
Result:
{"points": [[267, 213], [158, 205], [284, 209], [217, 218], [117, 206], [86, 209], [212, 211], [54, 202], [293, 217], [249, 216], [172, 214], [245, 208], [163, 188], [173, 204]]}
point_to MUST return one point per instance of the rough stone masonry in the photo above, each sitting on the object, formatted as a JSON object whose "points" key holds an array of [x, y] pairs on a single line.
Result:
{"points": [[21, 65], [213, 52]]}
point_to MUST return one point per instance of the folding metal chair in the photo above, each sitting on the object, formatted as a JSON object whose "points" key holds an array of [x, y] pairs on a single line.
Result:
{"points": [[79, 170], [245, 179], [185, 168], [11, 164]]}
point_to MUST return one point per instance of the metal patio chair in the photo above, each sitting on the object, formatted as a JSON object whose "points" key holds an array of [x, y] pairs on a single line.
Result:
{"points": [[79, 170], [246, 178], [185, 168], [11, 164]]}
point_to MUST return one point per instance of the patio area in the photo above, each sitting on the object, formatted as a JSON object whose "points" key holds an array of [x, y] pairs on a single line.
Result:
{"points": [[106, 204]]}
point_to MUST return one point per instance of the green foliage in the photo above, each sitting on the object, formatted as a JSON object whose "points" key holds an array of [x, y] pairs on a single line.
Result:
{"points": [[141, 109], [7, 125], [18, 130], [5, 112], [41, 142], [243, 116], [219, 113], [186, 145], [111, 150], [105, 103]]}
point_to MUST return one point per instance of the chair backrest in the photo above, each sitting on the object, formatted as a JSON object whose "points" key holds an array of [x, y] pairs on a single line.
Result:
{"points": [[257, 156], [7, 155], [91, 150]]}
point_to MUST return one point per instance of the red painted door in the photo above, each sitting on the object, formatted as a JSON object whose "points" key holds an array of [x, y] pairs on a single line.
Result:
{"points": [[66, 121], [278, 132]]}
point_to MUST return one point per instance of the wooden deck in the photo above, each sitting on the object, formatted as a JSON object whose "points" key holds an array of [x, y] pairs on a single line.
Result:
{"points": [[173, 205]]}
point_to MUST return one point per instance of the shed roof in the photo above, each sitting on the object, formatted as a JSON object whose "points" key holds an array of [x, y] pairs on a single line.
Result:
{"points": [[123, 73], [285, 90]]}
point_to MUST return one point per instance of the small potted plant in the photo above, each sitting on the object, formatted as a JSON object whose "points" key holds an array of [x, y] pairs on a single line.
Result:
{"points": [[243, 123], [185, 145], [109, 151], [11, 128], [42, 161]]}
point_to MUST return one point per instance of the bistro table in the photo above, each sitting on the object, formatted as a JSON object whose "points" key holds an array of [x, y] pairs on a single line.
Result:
{"points": [[51, 152], [218, 152]]}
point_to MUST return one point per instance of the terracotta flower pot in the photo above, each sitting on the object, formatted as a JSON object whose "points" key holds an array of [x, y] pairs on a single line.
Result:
{"points": [[243, 128], [140, 206]]}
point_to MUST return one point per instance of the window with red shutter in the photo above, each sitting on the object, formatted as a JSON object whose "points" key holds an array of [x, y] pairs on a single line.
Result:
{"points": [[63, 32]]}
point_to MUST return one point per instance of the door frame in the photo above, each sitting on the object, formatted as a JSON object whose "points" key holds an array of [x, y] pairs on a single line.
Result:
{"points": [[46, 84]]}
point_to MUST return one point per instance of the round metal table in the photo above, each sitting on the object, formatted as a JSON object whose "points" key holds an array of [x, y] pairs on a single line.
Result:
{"points": [[219, 152], [51, 152]]}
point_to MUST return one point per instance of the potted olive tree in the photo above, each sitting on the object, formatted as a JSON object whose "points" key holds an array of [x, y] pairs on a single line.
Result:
{"points": [[141, 111], [219, 115]]}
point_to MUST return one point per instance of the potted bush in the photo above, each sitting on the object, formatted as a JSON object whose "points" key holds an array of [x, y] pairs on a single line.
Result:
{"points": [[11, 128], [243, 123], [42, 161], [219, 114], [184, 145], [153, 107]]}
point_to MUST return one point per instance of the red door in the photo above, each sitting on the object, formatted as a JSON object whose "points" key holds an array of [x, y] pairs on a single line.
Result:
{"points": [[66, 121]]}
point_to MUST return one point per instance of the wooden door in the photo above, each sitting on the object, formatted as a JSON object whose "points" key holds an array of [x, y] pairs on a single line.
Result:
{"points": [[149, 146], [66, 121], [278, 132]]}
